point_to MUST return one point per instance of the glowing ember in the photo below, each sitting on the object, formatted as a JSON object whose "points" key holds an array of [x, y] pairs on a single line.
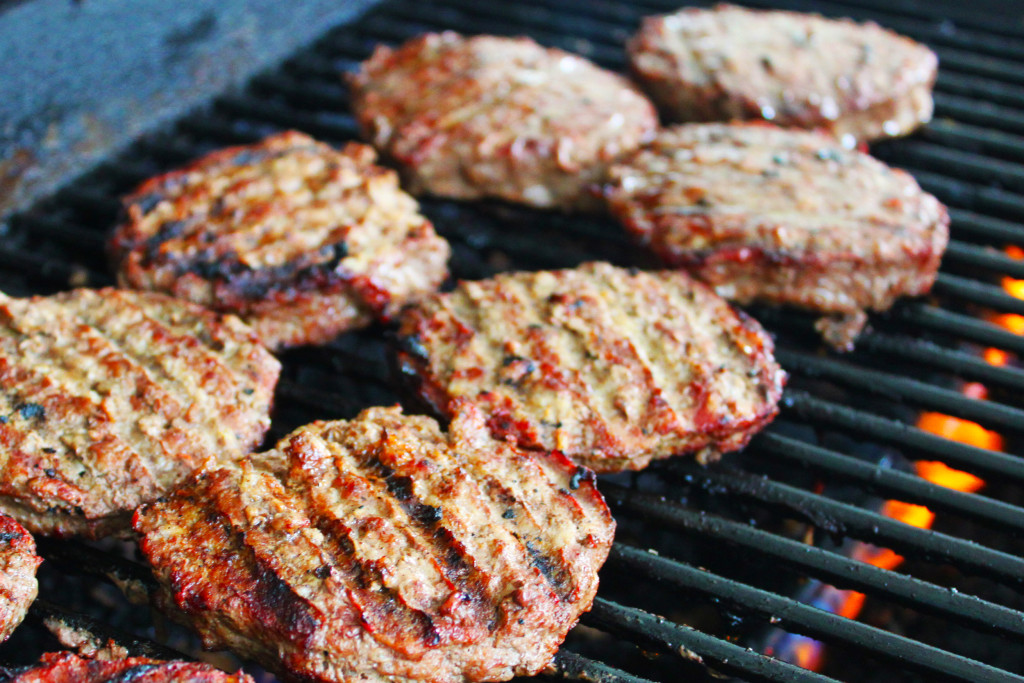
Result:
{"points": [[957, 429], [943, 475], [809, 653]]}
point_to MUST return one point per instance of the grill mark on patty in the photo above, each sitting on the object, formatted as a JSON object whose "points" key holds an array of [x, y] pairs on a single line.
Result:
{"points": [[178, 355], [676, 331], [160, 358], [668, 404], [562, 350], [236, 284], [614, 342], [428, 530], [112, 427], [553, 565], [70, 401], [342, 525], [271, 594]]}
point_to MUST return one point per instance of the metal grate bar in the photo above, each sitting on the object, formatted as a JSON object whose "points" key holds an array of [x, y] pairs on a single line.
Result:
{"points": [[968, 165], [988, 227], [961, 326], [974, 138], [968, 17], [827, 566], [796, 616], [876, 381], [332, 127], [969, 458], [576, 667], [849, 520], [978, 112], [977, 292], [991, 91], [893, 483], [991, 200], [64, 232], [649, 630], [970, 366]]}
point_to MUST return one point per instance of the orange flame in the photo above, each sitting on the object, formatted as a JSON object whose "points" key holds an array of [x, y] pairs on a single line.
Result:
{"points": [[949, 427], [955, 429]]}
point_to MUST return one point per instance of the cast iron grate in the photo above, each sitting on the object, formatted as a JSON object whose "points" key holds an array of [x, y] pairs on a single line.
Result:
{"points": [[716, 552]]}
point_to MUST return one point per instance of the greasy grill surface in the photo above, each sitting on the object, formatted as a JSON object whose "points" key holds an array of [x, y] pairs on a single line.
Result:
{"points": [[731, 539]]}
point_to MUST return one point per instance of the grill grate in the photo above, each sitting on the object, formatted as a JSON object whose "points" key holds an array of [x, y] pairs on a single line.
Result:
{"points": [[730, 538]]}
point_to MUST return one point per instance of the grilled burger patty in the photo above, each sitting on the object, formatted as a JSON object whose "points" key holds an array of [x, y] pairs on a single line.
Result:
{"points": [[301, 240], [783, 216], [18, 563], [793, 69], [383, 549], [498, 117], [110, 397], [65, 667], [611, 367]]}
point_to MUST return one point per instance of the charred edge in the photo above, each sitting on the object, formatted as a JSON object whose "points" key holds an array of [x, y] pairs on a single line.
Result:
{"points": [[278, 603], [413, 345], [8, 536], [132, 673], [147, 202], [166, 232]]}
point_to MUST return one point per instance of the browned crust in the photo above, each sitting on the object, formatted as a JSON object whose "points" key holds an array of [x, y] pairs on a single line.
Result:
{"points": [[18, 563], [782, 216], [111, 397], [486, 116], [793, 69], [611, 368], [65, 667], [277, 231], [412, 554]]}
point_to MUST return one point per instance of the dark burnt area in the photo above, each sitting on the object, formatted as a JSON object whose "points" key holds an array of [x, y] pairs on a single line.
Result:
{"points": [[147, 202], [287, 614], [580, 475], [133, 673], [30, 411], [449, 551], [236, 284], [554, 574]]}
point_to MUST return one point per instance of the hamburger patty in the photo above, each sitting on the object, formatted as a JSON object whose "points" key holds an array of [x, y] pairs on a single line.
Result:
{"points": [[783, 216], [857, 80], [498, 117], [383, 549], [110, 397], [65, 667], [611, 367], [18, 563], [301, 240]]}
